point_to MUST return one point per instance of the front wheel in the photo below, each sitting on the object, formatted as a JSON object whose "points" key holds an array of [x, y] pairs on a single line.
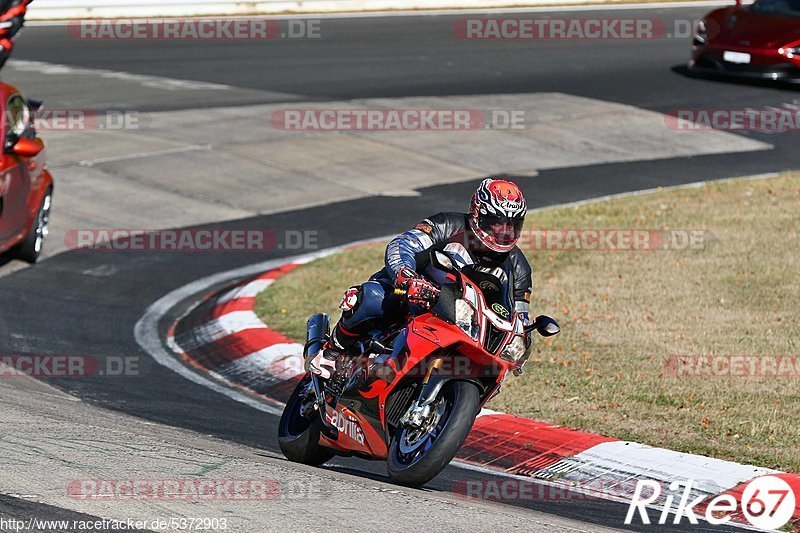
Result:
{"points": [[298, 435], [31, 246], [417, 455]]}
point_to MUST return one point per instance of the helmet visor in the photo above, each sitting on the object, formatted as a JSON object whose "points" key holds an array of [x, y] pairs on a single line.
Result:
{"points": [[506, 231]]}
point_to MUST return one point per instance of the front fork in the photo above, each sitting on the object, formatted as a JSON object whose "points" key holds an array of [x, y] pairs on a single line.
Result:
{"points": [[418, 413]]}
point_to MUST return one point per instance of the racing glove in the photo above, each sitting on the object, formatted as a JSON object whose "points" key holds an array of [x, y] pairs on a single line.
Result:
{"points": [[404, 277], [422, 293], [419, 291]]}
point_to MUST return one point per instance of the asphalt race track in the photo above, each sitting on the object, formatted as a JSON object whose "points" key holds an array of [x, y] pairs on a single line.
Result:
{"points": [[87, 302]]}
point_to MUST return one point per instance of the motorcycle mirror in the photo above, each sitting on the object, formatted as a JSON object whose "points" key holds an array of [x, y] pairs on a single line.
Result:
{"points": [[546, 326]]}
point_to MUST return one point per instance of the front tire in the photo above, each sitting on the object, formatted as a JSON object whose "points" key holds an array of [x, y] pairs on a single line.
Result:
{"points": [[415, 459], [298, 436], [31, 247]]}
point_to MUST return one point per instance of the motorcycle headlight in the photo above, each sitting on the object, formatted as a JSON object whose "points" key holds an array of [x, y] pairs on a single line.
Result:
{"points": [[465, 319], [514, 350], [700, 33]]}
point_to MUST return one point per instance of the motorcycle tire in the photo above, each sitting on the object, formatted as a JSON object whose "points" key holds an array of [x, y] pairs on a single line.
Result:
{"points": [[414, 464], [298, 436]]}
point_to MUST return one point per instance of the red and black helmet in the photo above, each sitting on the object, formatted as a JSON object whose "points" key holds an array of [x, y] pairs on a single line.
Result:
{"points": [[497, 213]]}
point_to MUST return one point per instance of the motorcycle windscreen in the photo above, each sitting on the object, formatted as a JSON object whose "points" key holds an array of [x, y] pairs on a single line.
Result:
{"points": [[445, 307], [495, 286]]}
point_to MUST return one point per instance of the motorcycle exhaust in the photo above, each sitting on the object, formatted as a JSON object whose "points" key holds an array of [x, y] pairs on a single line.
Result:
{"points": [[318, 330]]}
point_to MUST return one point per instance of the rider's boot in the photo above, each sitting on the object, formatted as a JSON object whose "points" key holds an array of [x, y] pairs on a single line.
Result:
{"points": [[340, 343], [323, 364]]}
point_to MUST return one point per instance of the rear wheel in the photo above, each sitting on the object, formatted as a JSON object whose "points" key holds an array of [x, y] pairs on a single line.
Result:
{"points": [[298, 435], [31, 246], [417, 455]]}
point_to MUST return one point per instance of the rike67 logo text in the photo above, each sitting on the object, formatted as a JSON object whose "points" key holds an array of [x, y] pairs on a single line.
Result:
{"points": [[767, 502]]}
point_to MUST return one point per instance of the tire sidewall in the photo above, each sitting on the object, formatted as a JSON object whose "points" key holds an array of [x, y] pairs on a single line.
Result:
{"points": [[304, 447], [26, 250]]}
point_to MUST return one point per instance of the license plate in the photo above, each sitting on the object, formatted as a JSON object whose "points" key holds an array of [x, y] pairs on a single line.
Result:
{"points": [[736, 57]]}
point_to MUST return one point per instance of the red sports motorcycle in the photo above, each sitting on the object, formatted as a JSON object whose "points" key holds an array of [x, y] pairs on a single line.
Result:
{"points": [[412, 396]]}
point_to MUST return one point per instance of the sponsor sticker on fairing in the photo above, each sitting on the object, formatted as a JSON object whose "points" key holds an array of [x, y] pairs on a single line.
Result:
{"points": [[346, 424]]}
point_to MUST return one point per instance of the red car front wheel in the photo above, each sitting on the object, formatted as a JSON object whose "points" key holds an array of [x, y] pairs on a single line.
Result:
{"points": [[31, 247]]}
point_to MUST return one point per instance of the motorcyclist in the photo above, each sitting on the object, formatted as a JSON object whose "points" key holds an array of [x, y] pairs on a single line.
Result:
{"points": [[12, 18], [486, 236]]}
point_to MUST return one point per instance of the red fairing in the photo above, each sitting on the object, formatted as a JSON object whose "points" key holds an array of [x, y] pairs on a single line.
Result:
{"points": [[355, 433]]}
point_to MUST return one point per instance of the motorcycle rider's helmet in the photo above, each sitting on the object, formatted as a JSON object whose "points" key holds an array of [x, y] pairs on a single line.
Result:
{"points": [[497, 213]]}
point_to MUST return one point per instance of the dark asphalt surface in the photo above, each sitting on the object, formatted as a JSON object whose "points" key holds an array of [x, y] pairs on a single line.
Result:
{"points": [[59, 308], [410, 56], [43, 515]]}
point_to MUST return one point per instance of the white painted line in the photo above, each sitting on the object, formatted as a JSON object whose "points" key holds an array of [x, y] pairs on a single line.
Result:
{"points": [[676, 465], [221, 327], [279, 361], [438, 12], [237, 321], [623, 461], [140, 155], [251, 290], [143, 80]]}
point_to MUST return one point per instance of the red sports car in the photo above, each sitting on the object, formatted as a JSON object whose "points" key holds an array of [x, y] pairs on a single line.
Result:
{"points": [[758, 41], [26, 186]]}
